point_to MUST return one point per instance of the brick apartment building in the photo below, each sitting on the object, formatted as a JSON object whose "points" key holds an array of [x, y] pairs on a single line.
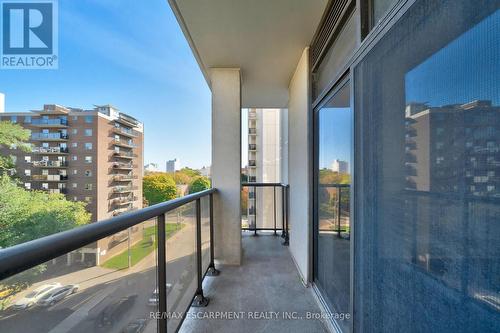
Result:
{"points": [[94, 156]]}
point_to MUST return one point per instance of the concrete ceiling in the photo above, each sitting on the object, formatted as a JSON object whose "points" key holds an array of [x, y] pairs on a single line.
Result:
{"points": [[264, 38]]}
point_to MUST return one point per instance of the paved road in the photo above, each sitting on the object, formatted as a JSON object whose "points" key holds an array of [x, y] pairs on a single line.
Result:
{"points": [[100, 287]]}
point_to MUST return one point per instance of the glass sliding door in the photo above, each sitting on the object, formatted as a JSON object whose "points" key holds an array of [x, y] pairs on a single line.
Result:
{"points": [[332, 227]]}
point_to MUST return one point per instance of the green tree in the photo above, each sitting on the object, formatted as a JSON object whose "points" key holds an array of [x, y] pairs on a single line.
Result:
{"points": [[199, 184], [12, 135], [27, 215], [190, 172], [159, 187], [181, 178]]}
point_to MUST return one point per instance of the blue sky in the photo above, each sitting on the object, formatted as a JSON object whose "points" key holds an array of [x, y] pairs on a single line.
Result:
{"points": [[135, 57]]}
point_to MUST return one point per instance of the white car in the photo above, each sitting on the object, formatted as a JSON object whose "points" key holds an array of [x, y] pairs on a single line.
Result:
{"points": [[33, 296], [55, 295]]}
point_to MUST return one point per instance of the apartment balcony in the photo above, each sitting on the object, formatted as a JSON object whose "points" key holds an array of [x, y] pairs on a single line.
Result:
{"points": [[49, 178], [252, 163], [123, 178], [123, 189], [124, 155], [120, 211], [122, 166], [127, 120], [49, 164], [252, 147], [123, 201], [49, 137], [50, 123], [56, 190], [50, 150], [122, 143], [125, 132], [252, 131]]}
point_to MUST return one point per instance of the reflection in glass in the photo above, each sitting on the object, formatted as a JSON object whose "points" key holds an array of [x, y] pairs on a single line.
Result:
{"points": [[332, 268], [430, 133]]}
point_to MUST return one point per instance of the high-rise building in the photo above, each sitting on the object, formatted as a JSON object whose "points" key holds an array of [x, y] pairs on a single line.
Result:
{"points": [[265, 162], [151, 167], [94, 156], [340, 166], [173, 165]]}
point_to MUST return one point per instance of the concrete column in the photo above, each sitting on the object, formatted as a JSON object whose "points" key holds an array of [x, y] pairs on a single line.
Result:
{"points": [[299, 166], [226, 163]]}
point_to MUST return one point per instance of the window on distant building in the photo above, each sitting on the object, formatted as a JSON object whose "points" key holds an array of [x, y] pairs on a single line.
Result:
{"points": [[74, 185], [88, 146], [45, 186], [88, 187], [88, 132], [27, 119], [45, 172], [74, 144], [27, 159], [27, 172], [88, 173], [13, 119], [88, 159], [74, 157], [75, 118], [75, 171], [88, 199], [74, 131], [88, 119], [27, 186], [75, 198]]}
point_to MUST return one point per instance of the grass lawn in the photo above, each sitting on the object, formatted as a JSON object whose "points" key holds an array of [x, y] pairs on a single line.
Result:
{"points": [[141, 249]]}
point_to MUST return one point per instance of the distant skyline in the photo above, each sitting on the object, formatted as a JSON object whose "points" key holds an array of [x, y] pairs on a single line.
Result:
{"points": [[134, 57]]}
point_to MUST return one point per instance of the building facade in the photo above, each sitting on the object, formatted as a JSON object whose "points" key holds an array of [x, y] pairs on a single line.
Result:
{"points": [[95, 156]]}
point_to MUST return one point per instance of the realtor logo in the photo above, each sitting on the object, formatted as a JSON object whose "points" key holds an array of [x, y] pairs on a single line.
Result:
{"points": [[29, 34]]}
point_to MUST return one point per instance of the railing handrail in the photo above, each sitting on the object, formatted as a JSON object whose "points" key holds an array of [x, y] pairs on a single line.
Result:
{"points": [[18, 258], [246, 184]]}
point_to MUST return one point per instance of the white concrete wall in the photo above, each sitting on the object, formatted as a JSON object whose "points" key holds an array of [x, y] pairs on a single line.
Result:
{"points": [[299, 143], [226, 162]]}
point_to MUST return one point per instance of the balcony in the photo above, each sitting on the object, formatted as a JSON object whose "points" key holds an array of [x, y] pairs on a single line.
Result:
{"points": [[127, 120], [123, 166], [125, 132], [50, 164], [123, 201], [122, 143], [252, 147], [49, 178], [252, 131], [124, 155], [49, 136], [50, 150], [123, 189], [123, 178], [54, 123]]}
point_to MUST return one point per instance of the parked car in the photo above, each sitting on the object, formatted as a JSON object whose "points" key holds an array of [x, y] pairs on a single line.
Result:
{"points": [[153, 300], [136, 326], [55, 295], [114, 311], [32, 297]]}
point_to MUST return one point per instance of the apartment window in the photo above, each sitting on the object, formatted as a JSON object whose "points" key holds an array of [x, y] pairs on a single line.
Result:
{"points": [[45, 186], [13, 159], [13, 119], [27, 186], [27, 119], [45, 172], [74, 158], [88, 199], [74, 131], [427, 246], [88, 159], [74, 185], [75, 118], [88, 132], [27, 159], [88, 173], [74, 144], [27, 172], [75, 198], [75, 171], [88, 187], [117, 137], [88, 146], [45, 145], [88, 119]]}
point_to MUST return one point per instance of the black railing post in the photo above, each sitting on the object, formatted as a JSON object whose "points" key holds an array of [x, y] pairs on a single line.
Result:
{"points": [[338, 210], [285, 211], [283, 230], [199, 299], [274, 208], [211, 267], [255, 210], [162, 274]]}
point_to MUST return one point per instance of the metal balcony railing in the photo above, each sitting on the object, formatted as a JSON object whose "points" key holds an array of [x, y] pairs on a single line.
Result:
{"points": [[49, 164], [336, 208], [49, 122], [23, 257], [253, 209], [49, 136], [50, 150]]}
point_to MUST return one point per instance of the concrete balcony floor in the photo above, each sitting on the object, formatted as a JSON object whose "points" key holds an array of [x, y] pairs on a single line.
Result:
{"points": [[267, 281]]}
